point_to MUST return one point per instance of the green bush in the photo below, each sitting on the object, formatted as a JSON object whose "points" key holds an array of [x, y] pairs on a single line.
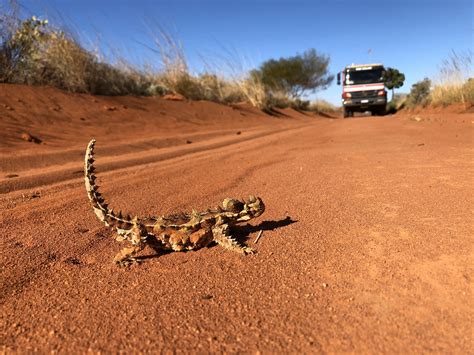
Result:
{"points": [[420, 93]]}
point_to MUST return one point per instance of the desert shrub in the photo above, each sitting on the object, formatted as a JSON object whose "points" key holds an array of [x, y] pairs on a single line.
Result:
{"points": [[322, 106], [34, 53], [295, 75], [420, 93], [19, 47], [105, 79], [211, 87], [300, 105], [62, 63], [280, 100], [187, 86], [218, 89]]}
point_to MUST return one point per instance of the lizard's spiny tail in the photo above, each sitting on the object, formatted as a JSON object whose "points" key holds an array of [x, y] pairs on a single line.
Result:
{"points": [[101, 209]]}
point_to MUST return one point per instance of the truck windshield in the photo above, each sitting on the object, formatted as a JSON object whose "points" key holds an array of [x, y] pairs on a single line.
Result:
{"points": [[354, 77]]}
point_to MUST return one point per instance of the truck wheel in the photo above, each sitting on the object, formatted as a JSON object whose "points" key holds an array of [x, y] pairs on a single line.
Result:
{"points": [[379, 111], [347, 113]]}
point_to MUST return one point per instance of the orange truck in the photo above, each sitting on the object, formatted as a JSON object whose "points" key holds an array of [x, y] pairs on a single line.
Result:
{"points": [[363, 89]]}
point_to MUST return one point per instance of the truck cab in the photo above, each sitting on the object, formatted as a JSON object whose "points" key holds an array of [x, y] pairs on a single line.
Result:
{"points": [[363, 89]]}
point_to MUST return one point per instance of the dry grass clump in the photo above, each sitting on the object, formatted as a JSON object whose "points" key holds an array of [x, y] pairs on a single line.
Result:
{"points": [[253, 92], [175, 76], [205, 86], [448, 94], [453, 84]]}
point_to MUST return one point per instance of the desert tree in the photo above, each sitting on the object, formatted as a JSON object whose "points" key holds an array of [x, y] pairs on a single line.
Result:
{"points": [[296, 75], [393, 79]]}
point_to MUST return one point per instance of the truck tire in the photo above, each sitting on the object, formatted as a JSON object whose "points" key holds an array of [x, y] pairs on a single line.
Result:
{"points": [[379, 111], [348, 113]]}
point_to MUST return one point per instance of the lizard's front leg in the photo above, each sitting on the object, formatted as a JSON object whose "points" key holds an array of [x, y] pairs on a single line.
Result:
{"points": [[137, 238], [221, 235]]}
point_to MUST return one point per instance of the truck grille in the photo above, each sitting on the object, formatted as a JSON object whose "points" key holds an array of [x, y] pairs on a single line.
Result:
{"points": [[366, 93]]}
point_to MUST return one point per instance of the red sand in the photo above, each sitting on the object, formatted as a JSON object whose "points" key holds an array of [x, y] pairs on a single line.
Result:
{"points": [[367, 237]]}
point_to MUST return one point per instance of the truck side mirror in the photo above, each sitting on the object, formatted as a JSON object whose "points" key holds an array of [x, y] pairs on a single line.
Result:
{"points": [[338, 78]]}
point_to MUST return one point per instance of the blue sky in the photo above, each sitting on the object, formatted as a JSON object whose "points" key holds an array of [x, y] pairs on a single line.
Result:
{"points": [[413, 36]]}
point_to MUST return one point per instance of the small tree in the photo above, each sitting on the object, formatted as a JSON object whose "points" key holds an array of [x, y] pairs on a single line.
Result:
{"points": [[393, 79], [295, 75], [420, 92]]}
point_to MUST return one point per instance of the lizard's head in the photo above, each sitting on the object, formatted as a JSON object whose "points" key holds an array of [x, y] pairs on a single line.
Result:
{"points": [[246, 210]]}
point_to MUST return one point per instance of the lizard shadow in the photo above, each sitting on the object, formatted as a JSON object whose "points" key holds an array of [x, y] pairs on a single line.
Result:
{"points": [[242, 233], [239, 233]]}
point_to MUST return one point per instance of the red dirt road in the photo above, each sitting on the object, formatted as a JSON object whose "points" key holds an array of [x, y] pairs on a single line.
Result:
{"points": [[367, 241]]}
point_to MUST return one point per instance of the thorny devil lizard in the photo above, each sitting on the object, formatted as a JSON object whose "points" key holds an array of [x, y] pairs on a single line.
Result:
{"points": [[178, 232]]}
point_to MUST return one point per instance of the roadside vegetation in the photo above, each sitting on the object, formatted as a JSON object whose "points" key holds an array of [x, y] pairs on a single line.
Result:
{"points": [[452, 85], [419, 94], [35, 52]]}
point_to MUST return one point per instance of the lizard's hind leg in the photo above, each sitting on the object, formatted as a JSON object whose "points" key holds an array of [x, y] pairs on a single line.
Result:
{"points": [[137, 239], [221, 235]]}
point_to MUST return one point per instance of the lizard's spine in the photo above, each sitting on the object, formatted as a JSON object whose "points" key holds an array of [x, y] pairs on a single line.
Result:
{"points": [[101, 209]]}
